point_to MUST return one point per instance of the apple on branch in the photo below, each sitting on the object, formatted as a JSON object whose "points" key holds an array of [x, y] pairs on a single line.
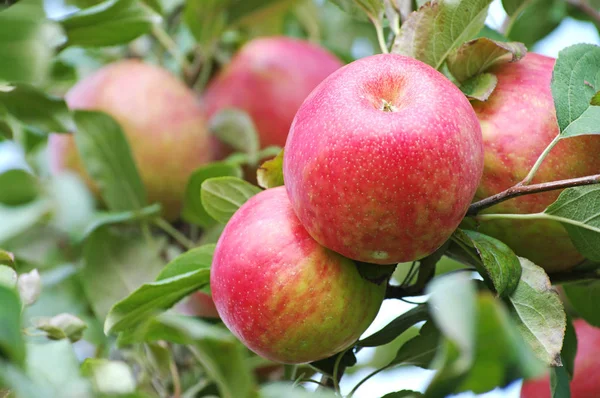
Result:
{"points": [[286, 297], [383, 160]]}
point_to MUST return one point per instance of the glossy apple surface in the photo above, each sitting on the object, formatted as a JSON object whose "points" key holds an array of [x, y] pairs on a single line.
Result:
{"points": [[383, 160], [286, 297]]}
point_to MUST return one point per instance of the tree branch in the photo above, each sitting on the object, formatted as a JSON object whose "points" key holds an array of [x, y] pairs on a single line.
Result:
{"points": [[520, 190]]}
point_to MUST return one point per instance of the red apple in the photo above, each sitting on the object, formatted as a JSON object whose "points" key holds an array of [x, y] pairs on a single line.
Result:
{"points": [[586, 383], [383, 159], [518, 122], [161, 118], [286, 297], [269, 78], [198, 304]]}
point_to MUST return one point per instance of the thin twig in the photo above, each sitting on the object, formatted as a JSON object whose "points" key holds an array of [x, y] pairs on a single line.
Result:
{"points": [[167, 42], [176, 379], [520, 190], [174, 233]]}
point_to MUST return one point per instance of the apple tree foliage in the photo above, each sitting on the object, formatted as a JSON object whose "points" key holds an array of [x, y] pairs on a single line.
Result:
{"points": [[85, 294]]}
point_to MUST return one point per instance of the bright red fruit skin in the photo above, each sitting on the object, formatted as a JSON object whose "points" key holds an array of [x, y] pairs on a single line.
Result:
{"points": [[518, 122], [269, 78], [282, 294], [383, 186], [586, 383], [163, 121]]}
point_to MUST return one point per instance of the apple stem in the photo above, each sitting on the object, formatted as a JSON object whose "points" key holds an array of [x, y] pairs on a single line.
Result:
{"points": [[520, 190], [539, 161]]}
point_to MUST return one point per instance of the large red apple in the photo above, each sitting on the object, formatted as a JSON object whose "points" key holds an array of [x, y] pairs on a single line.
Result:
{"points": [[586, 383], [269, 78], [161, 118], [383, 159], [286, 297], [518, 122]]}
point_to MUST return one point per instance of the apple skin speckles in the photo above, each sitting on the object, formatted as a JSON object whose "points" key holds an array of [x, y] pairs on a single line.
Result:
{"points": [[282, 294], [365, 180]]}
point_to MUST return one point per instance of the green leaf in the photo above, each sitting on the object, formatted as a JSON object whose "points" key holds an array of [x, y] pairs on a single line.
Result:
{"points": [[178, 329], [396, 327], [438, 27], [477, 56], [12, 346], [74, 204], [421, 349], [403, 394], [536, 20], [206, 19], [109, 23], [502, 355], [235, 128], [116, 264], [327, 366], [513, 6], [108, 160], [575, 81], [584, 297], [18, 187], [479, 87], [182, 276], [569, 348], [359, 8], [193, 211], [18, 219], [15, 380], [559, 382], [8, 277], [498, 262], [27, 43], [491, 34], [578, 209], [222, 196], [539, 313], [586, 123], [7, 258], [223, 358], [270, 173], [54, 367], [109, 377], [36, 108], [102, 219], [188, 262], [62, 326], [595, 101], [253, 11], [453, 308]]}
